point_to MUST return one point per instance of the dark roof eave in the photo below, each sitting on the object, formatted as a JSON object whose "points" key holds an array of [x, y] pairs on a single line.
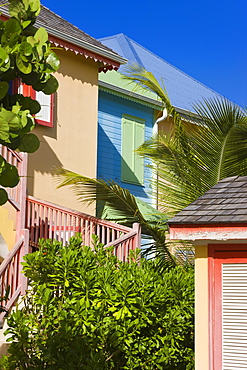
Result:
{"points": [[83, 44]]}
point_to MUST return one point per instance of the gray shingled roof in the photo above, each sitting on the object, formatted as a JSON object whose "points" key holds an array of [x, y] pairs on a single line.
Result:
{"points": [[55, 24], [226, 202]]}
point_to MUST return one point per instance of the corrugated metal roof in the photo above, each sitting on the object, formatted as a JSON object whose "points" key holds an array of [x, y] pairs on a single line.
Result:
{"points": [[183, 90], [226, 202], [59, 27]]}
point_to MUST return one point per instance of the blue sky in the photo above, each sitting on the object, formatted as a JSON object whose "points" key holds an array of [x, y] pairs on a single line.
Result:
{"points": [[205, 38]]}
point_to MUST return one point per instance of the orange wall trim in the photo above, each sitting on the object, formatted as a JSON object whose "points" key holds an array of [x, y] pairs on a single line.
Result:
{"points": [[217, 255]]}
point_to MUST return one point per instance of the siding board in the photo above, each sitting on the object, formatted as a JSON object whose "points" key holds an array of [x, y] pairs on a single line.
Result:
{"points": [[111, 110]]}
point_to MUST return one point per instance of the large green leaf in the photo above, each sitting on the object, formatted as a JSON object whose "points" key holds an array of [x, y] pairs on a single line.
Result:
{"points": [[29, 125], [41, 36], [26, 49], [10, 118], [52, 62], [51, 86], [24, 9], [14, 38], [16, 8], [12, 26], [4, 87], [29, 143], [3, 196], [4, 130], [31, 40], [34, 6], [24, 67], [31, 79], [27, 103], [4, 58], [9, 177]]}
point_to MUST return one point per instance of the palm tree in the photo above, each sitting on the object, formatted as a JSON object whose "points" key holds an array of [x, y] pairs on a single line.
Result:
{"points": [[210, 144]]}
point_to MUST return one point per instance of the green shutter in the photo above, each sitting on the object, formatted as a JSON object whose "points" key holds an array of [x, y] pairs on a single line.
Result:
{"points": [[138, 161], [132, 169]]}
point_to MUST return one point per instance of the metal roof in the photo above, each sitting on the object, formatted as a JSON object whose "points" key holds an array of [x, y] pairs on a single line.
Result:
{"points": [[224, 203], [183, 90], [62, 29]]}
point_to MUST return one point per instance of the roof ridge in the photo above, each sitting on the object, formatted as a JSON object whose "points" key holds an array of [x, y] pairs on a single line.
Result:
{"points": [[110, 37], [171, 65]]}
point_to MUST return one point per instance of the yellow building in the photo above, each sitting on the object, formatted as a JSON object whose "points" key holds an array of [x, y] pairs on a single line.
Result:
{"points": [[67, 127]]}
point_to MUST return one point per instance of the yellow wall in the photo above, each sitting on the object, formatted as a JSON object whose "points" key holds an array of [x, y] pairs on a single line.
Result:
{"points": [[7, 229], [72, 142], [201, 308]]}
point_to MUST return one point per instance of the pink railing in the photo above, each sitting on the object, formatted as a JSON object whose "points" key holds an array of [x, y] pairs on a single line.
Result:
{"points": [[127, 242], [47, 220], [17, 195], [11, 277]]}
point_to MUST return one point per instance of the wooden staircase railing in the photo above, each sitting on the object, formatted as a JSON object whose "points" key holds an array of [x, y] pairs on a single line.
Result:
{"points": [[37, 219], [10, 274], [47, 220]]}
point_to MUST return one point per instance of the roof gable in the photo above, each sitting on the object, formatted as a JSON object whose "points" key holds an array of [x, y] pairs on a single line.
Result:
{"points": [[182, 89]]}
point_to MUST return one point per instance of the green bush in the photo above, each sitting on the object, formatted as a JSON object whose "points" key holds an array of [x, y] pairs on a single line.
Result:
{"points": [[87, 310]]}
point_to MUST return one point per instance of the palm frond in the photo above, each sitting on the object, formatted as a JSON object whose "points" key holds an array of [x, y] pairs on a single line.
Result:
{"points": [[203, 153], [90, 190], [123, 202], [146, 80]]}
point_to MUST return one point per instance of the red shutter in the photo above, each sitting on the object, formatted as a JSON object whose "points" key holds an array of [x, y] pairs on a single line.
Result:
{"points": [[227, 295]]}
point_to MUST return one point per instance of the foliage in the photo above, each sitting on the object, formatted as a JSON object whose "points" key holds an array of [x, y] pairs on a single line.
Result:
{"points": [[125, 208], [207, 146], [87, 310], [25, 55]]}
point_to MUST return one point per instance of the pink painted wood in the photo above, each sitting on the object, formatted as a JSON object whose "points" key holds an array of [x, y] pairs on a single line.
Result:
{"points": [[17, 195], [126, 243], [47, 220], [10, 273]]}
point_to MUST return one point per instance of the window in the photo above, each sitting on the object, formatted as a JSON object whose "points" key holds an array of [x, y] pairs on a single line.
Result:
{"points": [[132, 167], [45, 115]]}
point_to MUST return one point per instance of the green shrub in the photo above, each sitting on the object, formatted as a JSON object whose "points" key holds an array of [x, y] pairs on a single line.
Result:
{"points": [[87, 310]]}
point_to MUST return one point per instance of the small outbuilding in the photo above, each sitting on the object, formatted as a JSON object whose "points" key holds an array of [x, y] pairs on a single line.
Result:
{"points": [[216, 223]]}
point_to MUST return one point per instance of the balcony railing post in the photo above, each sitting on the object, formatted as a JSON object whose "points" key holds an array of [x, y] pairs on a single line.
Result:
{"points": [[24, 251], [137, 240]]}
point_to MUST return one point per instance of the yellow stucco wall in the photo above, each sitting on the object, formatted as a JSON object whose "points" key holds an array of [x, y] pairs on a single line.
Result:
{"points": [[72, 142], [7, 229], [201, 308]]}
